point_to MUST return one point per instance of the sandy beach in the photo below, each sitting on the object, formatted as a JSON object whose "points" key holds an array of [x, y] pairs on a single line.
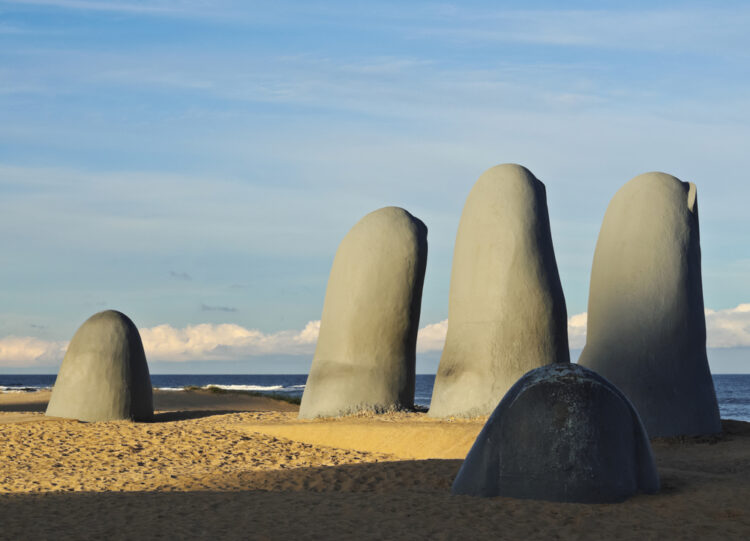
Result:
{"points": [[243, 467]]}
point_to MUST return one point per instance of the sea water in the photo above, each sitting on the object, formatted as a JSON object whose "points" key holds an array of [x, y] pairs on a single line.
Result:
{"points": [[732, 390]]}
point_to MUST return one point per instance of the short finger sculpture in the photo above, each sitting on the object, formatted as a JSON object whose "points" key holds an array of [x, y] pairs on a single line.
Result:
{"points": [[104, 375]]}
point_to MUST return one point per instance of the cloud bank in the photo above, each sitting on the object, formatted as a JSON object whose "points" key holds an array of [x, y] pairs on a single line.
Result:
{"points": [[729, 328], [225, 342], [577, 330], [432, 337], [30, 351]]}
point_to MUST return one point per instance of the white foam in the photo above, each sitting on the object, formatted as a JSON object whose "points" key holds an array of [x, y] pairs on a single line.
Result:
{"points": [[23, 389], [281, 388], [254, 387]]}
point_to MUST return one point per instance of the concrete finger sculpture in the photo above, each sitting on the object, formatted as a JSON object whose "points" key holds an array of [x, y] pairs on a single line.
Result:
{"points": [[507, 310], [104, 375], [646, 324], [366, 351], [562, 433]]}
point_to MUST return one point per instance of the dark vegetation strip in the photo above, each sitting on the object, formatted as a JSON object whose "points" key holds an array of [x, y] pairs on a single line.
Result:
{"points": [[275, 396]]}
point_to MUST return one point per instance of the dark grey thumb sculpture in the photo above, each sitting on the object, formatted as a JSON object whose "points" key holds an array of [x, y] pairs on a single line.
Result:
{"points": [[562, 433], [104, 375], [507, 309], [366, 351], [646, 323]]}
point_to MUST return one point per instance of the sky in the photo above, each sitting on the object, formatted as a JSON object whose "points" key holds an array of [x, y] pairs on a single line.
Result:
{"points": [[195, 164]]}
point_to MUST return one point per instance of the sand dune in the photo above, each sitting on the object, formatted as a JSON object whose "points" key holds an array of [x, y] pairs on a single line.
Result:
{"points": [[201, 472], [404, 435]]}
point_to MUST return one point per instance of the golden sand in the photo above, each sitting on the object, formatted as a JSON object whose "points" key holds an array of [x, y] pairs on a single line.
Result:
{"points": [[240, 467]]}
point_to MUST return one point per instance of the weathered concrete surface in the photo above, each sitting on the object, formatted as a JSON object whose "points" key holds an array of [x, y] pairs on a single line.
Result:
{"points": [[104, 375], [646, 323], [562, 433], [507, 310], [366, 352]]}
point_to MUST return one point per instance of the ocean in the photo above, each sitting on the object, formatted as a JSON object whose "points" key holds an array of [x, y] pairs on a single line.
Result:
{"points": [[732, 390]]}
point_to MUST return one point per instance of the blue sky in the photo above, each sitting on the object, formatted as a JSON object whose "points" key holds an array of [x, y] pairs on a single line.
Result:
{"points": [[195, 164]]}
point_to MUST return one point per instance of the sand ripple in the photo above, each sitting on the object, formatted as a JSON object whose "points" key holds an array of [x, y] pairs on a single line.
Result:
{"points": [[208, 453]]}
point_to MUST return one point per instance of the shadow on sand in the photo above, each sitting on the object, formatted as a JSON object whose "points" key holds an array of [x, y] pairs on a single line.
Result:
{"points": [[390, 500], [182, 415], [25, 406]]}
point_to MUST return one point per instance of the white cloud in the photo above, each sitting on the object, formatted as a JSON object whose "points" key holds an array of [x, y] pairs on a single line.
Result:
{"points": [[29, 351], [577, 330], [432, 337], [728, 328], [309, 335], [224, 342]]}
